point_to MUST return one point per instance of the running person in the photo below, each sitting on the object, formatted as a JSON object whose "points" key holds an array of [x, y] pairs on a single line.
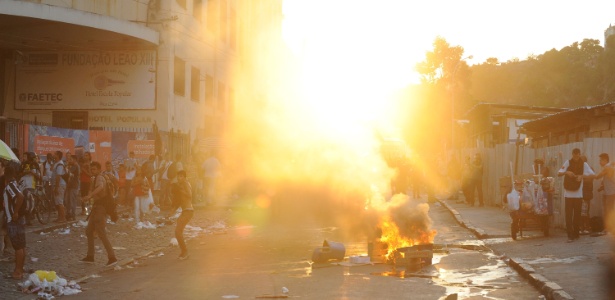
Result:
{"points": [[182, 197]]}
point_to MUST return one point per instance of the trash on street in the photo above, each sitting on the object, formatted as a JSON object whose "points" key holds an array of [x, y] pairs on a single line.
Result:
{"points": [[47, 285]]}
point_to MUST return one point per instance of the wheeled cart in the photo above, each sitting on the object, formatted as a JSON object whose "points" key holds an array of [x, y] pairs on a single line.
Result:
{"points": [[524, 221]]}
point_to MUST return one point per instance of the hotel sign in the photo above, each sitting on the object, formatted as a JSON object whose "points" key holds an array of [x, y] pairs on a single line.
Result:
{"points": [[86, 80]]}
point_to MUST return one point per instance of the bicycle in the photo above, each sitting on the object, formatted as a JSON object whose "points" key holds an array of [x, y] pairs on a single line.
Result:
{"points": [[43, 208]]}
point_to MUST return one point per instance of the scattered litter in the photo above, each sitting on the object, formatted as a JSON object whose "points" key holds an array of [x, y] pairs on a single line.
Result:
{"points": [[161, 254], [193, 228], [33, 259], [230, 296], [118, 248], [174, 242], [80, 223], [146, 225], [284, 290], [65, 231], [156, 209], [164, 221], [218, 225], [117, 268], [48, 285], [359, 259], [94, 276], [43, 233]]}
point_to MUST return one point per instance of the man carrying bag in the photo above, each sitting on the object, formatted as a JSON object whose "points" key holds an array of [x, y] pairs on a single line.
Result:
{"points": [[98, 216]]}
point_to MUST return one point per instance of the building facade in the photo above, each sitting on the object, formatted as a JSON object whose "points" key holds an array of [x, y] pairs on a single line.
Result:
{"points": [[127, 64]]}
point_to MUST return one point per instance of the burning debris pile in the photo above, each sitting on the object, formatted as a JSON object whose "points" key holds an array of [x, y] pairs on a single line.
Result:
{"points": [[404, 233]]}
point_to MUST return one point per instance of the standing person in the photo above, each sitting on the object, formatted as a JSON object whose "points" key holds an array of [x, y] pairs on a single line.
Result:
{"points": [[14, 208], [158, 162], [72, 186], [192, 173], [121, 184], [541, 169], [477, 180], [47, 172], [98, 217], [29, 178], [466, 181], [608, 186], [85, 178], [110, 171], [165, 188], [140, 187], [588, 195], [183, 199], [5, 242], [148, 169], [574, 170], [59, 186], [131, 168], [454, 174]]}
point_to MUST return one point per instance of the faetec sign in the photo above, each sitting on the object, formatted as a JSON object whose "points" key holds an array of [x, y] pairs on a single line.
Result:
{"points": [[86, 80]]}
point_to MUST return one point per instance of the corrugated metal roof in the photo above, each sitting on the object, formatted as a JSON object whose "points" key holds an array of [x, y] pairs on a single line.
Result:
{"points": [[571, 115]]}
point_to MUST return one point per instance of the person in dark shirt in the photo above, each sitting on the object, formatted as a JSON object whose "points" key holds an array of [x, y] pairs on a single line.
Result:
{"points": [[182, 198], [13, 200]]}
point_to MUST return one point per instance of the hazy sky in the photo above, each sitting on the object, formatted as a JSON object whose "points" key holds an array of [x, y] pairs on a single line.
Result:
{"points": [[392, 35]]}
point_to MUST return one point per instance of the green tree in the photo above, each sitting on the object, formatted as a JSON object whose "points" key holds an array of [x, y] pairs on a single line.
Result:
{"points": [[607, 63], [444, 81]]}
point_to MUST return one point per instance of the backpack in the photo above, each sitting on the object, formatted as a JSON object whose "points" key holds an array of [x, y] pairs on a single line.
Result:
{"points": [[66, 174], [571, 184], [112, 183], [10, 191], [107, 200], [172, 171]]}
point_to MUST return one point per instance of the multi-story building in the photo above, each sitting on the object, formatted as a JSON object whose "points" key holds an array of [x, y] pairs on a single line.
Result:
{"points": [[127, 64], [608, 32]]}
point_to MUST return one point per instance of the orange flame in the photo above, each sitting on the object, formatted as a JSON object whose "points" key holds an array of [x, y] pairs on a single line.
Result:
{"points": [[394, 240]]}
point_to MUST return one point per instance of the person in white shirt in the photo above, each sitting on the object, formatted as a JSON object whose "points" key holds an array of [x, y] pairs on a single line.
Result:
{"points": [[574, 171], [211, 171]]}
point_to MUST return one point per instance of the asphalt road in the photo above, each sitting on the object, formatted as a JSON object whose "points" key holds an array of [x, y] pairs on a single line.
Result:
{"points": [[254, 260]]}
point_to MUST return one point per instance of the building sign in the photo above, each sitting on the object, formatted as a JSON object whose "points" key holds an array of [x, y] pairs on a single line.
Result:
{"points": [[86, 80], [47, 144], [142, 149]]}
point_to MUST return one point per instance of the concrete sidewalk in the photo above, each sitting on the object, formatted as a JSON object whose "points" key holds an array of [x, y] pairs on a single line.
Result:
{"points": [[560, 270]]}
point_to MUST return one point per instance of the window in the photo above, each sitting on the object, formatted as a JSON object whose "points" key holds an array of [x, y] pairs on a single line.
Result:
{"points": [[195, 84], [179, 82], [221, 96], [197, 10], [209, 90], [212, 16], [223, 21], [233, 29]]}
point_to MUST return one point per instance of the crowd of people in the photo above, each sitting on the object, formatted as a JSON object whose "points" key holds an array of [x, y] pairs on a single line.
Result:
{"points": [[70, 181], [578, 183]]}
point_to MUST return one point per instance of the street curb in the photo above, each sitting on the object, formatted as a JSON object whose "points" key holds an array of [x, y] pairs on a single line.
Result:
{"points": [[479, 233], [549, 289]]}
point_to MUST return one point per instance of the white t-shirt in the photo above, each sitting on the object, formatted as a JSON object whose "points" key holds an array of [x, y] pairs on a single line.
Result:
{"points": [[586, 172], [131, 168]]}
